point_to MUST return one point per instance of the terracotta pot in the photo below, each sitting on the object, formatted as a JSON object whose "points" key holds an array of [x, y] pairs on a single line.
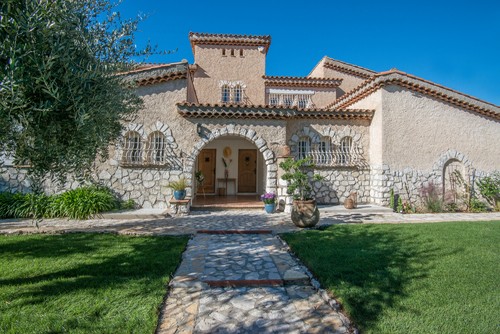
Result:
{"points": [[349, 204], [305, 213]]}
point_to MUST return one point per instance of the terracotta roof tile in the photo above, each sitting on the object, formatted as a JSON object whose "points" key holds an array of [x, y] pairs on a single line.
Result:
{"points": [[229, 39], [280, 81], [351, 69], [150, 74], [235, 111], [396, 77]]}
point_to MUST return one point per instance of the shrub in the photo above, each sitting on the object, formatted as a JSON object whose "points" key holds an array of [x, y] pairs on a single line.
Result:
{"points": [[431, 198], [489, 187], [477, 206], [80, 203], [128, 204], [83, 202], [7, 203], [23, 205]]}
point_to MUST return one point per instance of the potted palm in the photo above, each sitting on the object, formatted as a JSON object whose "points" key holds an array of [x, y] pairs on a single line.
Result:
{"points": [[305, 212], [179, 188]]}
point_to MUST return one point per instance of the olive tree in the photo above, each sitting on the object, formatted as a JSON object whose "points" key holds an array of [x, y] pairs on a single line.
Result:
{"points": [[62, 98]]}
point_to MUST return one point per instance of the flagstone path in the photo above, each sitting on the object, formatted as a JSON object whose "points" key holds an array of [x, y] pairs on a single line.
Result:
{"points": [[245, 282]]}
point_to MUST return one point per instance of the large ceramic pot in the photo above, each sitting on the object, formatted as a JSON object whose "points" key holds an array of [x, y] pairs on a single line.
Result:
{"points": [[305, 213], [179, 194], [270, 207]]}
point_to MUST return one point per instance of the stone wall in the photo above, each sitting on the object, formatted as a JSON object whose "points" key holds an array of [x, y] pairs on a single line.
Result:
{"points": [[14, 180], [409, 182], [338, 184]]}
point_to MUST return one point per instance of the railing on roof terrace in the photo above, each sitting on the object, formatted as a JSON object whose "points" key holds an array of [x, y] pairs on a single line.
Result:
{"points": [[337, 158]]}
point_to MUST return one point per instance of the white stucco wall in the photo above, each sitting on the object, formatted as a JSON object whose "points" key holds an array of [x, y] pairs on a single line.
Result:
{"points": [[418, 129]]}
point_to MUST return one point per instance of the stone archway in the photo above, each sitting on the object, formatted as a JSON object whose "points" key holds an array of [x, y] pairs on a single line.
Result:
{"points": [[236, 131], [446, 168]]}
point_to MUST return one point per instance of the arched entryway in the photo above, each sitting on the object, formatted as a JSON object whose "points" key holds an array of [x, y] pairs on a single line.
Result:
{"points": [[237, 161]]}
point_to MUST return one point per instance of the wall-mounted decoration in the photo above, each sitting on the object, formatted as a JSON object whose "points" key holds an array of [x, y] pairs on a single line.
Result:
{"points": [[227, 152]]}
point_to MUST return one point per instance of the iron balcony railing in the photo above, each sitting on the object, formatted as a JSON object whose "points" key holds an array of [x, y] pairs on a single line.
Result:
{"points": [[336, 158]]}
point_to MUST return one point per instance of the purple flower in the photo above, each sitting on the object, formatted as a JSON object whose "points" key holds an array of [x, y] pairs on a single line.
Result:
{"points": [[268, 198]]}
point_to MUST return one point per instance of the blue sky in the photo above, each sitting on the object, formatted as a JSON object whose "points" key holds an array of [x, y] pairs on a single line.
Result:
{"points": [[452, 43]]}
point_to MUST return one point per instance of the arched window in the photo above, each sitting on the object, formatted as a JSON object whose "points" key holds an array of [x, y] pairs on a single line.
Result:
{"points": [[226, 94], [324, 151], [237, 94], [157, 148], [304, 147], [345, 150], [132, 150]]}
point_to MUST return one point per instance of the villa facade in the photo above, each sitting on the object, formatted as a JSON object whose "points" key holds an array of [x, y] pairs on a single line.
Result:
{"points": [[366, 131]]}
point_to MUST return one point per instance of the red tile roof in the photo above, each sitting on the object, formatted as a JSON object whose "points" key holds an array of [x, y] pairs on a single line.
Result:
{"points": [[149, 74], [229, 39], [237, 111], [347, 68], [396, 77], [281, 81]]}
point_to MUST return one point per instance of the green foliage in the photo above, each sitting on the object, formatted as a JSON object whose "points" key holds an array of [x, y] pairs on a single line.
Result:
{"points": [[181, 184], [299, 175], [80, 203], [489, 187], [391, 200], [400, 205], [477, 205], [61, 102], [128, 204]]}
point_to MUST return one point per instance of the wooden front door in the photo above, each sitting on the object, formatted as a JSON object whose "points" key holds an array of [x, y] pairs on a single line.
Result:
{"points": [[206, 164], [247, 171]]}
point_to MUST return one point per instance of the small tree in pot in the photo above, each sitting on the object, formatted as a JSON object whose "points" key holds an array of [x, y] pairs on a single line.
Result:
{"points": [[305, 212]]}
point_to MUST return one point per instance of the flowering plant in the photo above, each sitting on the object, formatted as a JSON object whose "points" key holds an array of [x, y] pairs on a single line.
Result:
{"points": [[268, 198]]}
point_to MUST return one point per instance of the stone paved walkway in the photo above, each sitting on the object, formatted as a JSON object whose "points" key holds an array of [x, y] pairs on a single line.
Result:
{"points": [[245, 283], [230, 220]]}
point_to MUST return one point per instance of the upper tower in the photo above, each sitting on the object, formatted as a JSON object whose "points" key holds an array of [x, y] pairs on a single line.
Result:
{"points": [[230, 68]]}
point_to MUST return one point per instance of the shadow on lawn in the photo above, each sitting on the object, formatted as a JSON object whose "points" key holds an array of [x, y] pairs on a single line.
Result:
{"points": [[368, 268], [104, 264]]}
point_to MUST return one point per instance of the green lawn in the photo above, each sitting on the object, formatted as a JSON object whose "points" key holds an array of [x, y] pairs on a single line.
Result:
{"points": [[410, 278], [84, 283]]}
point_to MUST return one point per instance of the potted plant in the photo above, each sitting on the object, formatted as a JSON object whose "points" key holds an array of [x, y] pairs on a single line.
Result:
{"points": [[179, 188], [305, 212], [269, 200]]}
